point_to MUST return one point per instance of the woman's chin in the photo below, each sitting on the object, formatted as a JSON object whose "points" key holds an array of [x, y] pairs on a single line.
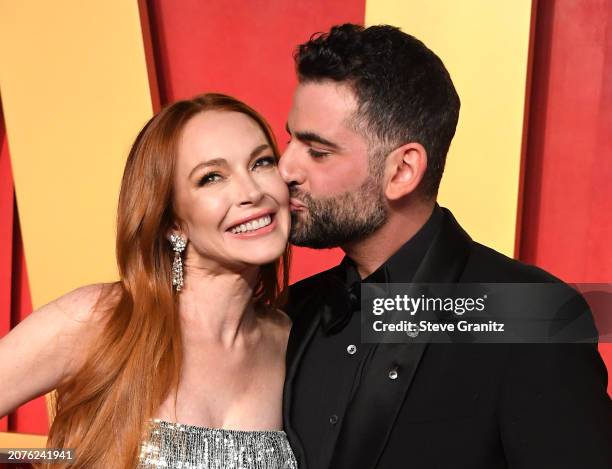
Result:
{"points": [[263, 258], [259, 250]]}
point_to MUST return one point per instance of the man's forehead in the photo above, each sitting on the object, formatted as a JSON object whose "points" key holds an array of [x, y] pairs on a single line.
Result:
{"points": [[322, 103]]}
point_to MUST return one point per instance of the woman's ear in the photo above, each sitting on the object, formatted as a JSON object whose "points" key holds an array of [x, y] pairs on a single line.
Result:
{"points": [[405, 169], [175, 230]]}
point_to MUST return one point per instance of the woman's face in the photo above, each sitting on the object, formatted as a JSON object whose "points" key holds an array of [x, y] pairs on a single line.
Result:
{"points": [[230, 198]]}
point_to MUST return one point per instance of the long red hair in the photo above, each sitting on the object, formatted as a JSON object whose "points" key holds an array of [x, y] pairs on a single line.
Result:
{"points": [[135, 364]]}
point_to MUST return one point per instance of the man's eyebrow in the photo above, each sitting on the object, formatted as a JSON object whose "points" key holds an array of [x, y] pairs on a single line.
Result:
{"points": [[313, 137], [309, 136]]}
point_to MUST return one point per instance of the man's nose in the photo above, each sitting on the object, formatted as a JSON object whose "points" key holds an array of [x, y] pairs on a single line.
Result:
{"points": [[290, 168]]}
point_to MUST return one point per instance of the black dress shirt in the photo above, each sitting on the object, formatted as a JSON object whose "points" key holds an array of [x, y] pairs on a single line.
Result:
{"points": [[336, 358]]}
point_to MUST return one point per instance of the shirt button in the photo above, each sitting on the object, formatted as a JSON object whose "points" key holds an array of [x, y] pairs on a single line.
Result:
{"points": [[393, 373], [333, 419], [351, 349]]}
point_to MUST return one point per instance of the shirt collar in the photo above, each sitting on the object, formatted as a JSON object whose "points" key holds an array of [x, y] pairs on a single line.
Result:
{"points": [[403, 264], [400, 267]]}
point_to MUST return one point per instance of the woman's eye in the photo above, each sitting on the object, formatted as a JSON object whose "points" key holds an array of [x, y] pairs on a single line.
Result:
{"points": [[265, 161], [209, 178], [317, 154]]}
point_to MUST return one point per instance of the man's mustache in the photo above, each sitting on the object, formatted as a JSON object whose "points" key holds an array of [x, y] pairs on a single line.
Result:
{"points": [[299, 195]]}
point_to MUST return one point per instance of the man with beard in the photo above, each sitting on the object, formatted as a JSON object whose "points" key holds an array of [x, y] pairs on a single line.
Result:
{"points": [[372, 119]]}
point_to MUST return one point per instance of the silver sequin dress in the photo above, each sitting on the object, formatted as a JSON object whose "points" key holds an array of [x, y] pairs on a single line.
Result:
{"points": [[174, 445]]}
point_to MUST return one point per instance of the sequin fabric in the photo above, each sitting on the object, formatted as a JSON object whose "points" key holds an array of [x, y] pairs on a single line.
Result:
{"points": [[174, 445]]}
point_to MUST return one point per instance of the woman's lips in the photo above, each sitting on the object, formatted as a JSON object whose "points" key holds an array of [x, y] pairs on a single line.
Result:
{"points": [[254, 216], [258, 232]]}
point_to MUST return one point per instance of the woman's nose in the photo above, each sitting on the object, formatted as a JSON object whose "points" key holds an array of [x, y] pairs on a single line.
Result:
{"points": [[249, 191]]}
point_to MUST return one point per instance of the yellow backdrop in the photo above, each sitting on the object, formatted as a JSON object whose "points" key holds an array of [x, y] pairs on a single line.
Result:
{"points": [[75, 92], [484, 45]]}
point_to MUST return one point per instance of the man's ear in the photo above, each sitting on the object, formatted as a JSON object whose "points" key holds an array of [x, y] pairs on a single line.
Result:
{"points": [[404, 170]]}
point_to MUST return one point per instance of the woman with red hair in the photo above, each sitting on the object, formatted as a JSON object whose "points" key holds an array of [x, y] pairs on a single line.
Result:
{"points": [[181, 362]]}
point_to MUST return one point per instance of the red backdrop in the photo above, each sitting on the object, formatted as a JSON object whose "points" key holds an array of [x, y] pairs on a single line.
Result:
{"points": [[567, 211], [15, 302]]}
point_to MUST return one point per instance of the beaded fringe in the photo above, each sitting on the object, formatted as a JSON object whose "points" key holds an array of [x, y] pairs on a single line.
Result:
{"points": [[174, 445]]}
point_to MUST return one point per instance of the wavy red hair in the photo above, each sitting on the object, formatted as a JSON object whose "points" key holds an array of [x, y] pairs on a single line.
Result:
{"points": [[135, 364]]}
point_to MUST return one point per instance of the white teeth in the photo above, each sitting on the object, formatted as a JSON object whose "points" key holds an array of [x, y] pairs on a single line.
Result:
{"points": [[252, 225]]}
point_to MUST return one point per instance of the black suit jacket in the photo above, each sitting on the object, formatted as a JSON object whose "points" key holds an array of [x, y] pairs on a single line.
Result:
{"points": [[461, 405]]}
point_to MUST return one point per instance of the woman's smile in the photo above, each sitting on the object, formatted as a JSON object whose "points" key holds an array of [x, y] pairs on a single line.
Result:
{"points": [[254, 226]]}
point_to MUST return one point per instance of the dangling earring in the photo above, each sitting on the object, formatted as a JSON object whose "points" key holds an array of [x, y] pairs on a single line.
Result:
{"points": [[178, 246]]}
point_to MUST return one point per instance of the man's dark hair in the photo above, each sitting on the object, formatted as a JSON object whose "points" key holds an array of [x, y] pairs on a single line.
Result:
{"points": [[404, 92]]}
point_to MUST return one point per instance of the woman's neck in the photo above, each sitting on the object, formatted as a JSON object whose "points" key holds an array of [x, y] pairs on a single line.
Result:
{"points": [[217, 305]]}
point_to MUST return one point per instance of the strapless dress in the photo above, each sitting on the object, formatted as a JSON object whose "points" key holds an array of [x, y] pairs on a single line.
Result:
{"points": [[175, 445]]}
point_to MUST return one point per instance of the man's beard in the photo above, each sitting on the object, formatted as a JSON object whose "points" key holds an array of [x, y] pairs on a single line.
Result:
{"points": [[339, 220]]}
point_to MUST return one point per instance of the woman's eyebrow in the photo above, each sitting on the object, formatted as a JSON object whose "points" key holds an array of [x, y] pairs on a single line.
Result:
{"points": [[223, 161], [213, 162], [259, 149]]}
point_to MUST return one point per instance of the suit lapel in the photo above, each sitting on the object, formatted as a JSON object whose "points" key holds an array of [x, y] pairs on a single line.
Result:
{"points": [[302, 331], [307, 313], [371, 414]]}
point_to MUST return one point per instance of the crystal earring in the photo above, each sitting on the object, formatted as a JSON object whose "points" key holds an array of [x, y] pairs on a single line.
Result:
{"points": [[178, 246]]}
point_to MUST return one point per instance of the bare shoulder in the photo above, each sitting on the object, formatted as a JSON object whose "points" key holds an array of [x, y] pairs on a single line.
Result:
{"points": [[50, 344], [85, 305], [279, 326], [279, 319], [70, 324]]}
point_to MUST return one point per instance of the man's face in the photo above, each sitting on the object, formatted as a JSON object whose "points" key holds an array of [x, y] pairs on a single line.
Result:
{"points": [[334, 198]]}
